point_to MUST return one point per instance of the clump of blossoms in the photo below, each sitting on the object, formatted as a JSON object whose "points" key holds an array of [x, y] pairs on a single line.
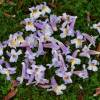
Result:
{"points": [[47, 31]]}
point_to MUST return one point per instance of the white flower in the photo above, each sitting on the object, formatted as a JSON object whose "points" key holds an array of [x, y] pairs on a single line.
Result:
{"points": [[14, 55], [35, 13], [1, 51], [45, 9], [77, 42], [29, 22], [73, 60], [92, 65], [58, 89], [97, 26], [15, 40]]}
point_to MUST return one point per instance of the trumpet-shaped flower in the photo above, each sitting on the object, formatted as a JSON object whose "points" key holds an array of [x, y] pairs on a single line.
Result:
{"points": [[45, 9], [86, 52], [78, 40], [8, 70], [65, 75], [73, 61], [30, 25], [35, 12], [15, 40], [97, 26], [92, 65], [58, 89], [14, 55], [1, 49]]}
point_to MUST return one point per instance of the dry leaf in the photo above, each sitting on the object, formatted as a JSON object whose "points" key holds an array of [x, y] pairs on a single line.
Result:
{"points": [[1, 2], [97, 92], [10, 2], [45, 86], [8, 15], [13, 90], [11, 94], [98, 49], [80, 95]]}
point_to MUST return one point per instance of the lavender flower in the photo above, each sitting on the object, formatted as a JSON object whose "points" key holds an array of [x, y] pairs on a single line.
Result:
{"points": [[35, 12], [14, 55], [8, 70], [53, 21], [92, 65], [73, 61], [65, 75], [29, 25], [15, 40], [97, 26], [78, 40], [1, 49], [86, 52], [58, 89]]}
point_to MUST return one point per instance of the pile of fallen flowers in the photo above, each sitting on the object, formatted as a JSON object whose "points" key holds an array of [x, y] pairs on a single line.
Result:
{"points": [[73, 56]]}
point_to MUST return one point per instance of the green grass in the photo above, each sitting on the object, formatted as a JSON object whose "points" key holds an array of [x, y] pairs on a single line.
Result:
{"points": [[10, 25]]}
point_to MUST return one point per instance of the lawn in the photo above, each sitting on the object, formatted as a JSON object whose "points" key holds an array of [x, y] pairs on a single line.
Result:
{"points": [[12, 12]]}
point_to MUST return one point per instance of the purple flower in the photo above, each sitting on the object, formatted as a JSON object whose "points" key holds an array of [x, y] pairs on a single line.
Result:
{"points": [[86, 52], [53, 21], [65, 75], [91, 39], [68, 26]]}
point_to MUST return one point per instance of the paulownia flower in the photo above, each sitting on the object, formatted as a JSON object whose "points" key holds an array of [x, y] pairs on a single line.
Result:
{"points": [[30, 24], [97, 26], [58, 89], [78, 40], [15, 39], [35, 12], [92, 65], [87, 52], [45, 9], [73, 61], [8, 70], [14, 55], [1, 49]]}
